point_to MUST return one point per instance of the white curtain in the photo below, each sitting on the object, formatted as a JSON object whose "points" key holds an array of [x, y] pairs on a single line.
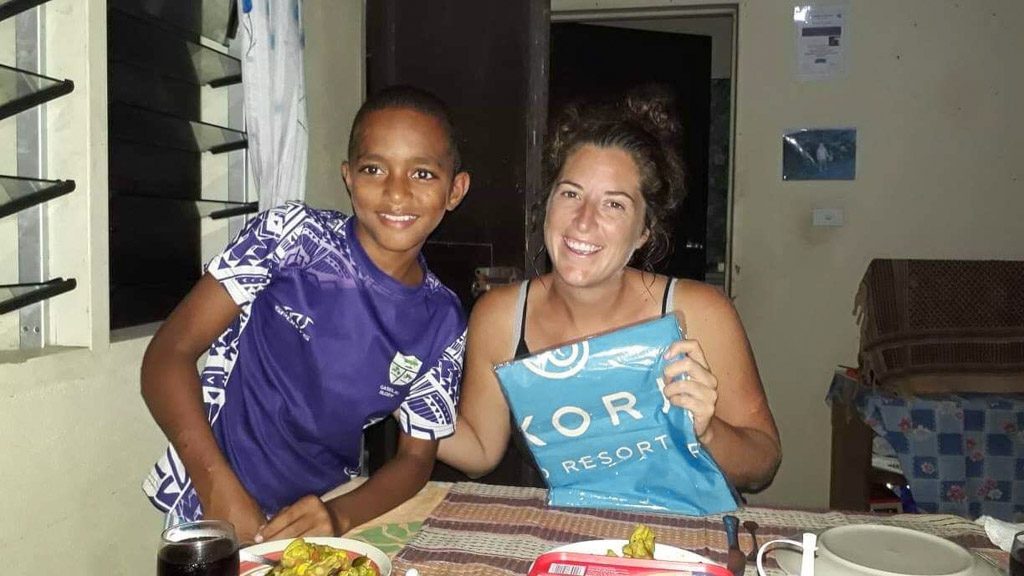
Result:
{"points": [[270, 32]]}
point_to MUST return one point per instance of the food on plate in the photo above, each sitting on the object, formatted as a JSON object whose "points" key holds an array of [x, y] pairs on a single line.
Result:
{"points": [[301, 558], [640, 545]]}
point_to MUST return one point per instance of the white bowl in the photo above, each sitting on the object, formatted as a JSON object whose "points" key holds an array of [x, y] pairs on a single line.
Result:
{"points": [[875, 550], [661, 551]]}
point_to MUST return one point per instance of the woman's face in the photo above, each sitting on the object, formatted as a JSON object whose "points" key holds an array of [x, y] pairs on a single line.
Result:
{"points": [[595, 216]]}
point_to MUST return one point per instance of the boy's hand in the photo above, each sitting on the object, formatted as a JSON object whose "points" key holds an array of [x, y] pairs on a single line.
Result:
{"points": [[234, 504], [308, 516]]}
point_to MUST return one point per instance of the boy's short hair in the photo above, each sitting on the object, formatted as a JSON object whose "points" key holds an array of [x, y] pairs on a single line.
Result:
{"points": [[412, 98]]}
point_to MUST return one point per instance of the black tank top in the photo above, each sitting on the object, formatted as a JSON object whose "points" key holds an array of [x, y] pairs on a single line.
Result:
{"points": [[517, 467]]}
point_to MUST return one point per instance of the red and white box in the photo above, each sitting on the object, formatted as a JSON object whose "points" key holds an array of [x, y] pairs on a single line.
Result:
{"points": [[573, 564]]}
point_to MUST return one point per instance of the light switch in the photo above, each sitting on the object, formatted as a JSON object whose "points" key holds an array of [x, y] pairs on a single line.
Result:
{"points": [[827, 217]]}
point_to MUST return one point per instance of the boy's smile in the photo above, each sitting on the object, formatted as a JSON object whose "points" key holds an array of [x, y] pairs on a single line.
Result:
{"points": [[401, 183]]}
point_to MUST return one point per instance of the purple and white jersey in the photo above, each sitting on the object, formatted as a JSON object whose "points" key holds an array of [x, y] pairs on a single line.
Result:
{"points": [[326, 345]]}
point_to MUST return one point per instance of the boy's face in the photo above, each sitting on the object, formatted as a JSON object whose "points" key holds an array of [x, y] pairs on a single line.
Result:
{"points": [[401, 182]]}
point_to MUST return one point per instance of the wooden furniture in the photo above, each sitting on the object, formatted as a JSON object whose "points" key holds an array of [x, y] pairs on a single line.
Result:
{"points": [[855, 483]]}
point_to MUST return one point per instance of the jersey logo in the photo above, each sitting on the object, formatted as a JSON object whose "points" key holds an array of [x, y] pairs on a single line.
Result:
{"points": [[298, 320], [404, 369]]}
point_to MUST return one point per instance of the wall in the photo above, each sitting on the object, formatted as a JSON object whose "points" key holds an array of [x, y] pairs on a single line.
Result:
{"points": [[334, 91], [934, 90], [77, 443]]}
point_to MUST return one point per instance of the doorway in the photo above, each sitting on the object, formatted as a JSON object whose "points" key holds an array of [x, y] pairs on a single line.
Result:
{"points": [[598, 55]]}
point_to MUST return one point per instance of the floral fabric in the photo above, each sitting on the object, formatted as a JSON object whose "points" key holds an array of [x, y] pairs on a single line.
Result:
{"points": [[961, 454]]}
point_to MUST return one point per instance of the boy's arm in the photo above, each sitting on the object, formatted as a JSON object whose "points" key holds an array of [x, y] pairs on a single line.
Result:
{"points": [[172, 391], [397, 481]]}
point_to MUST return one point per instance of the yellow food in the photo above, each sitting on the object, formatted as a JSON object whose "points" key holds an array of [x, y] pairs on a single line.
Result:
{"points": [[306, 559], [641, 543]]}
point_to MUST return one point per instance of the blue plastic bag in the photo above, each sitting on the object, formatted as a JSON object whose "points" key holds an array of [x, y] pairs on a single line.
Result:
{"points": [[603, 433]]}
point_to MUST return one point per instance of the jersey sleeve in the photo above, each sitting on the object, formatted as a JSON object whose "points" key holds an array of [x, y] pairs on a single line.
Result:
{"points": [[428, 412], [249, 262]]}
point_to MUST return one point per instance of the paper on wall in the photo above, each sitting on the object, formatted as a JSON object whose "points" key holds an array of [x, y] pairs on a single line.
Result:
{"points": [[822, 38]]}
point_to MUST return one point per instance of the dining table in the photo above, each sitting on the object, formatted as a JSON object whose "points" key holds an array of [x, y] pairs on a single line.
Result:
{"points": [[472, 529]]}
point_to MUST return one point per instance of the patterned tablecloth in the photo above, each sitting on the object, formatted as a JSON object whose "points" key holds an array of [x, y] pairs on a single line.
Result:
{"points": [[392, 530], [498, 530]]}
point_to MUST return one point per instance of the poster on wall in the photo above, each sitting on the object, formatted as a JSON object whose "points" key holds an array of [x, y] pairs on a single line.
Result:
{"points": [[819, 154], [822, 38]]}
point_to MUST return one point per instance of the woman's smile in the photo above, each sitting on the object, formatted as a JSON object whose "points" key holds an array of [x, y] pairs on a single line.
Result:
{"points": [[581, 248]]}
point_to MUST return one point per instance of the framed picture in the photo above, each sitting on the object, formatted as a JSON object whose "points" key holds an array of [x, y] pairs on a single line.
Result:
{"points": [[819, 154]]}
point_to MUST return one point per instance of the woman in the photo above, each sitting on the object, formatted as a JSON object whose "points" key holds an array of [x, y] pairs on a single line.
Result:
{"points": [[614, 180]]}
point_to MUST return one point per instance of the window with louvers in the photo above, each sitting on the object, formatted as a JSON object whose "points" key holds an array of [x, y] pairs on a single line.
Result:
{"points": [[27, 282], [160, 61]]}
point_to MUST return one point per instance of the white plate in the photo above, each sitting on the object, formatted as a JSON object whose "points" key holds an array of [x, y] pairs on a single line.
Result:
{"points": [[661, 551], [273, 550], [875, 550]]}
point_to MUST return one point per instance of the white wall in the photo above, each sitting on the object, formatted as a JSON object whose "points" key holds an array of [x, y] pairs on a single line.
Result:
{"points": [[77, 441], [334, 91], [934, 89]]}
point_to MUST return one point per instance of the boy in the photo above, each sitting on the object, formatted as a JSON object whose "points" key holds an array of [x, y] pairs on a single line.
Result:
{"points": [[317, 326]]}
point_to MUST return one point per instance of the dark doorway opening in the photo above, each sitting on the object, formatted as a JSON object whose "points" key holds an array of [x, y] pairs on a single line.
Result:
{"points": [[601, 63]]}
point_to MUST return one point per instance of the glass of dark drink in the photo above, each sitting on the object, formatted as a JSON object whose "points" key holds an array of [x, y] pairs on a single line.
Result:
{"points": [[203, 548], [1017, 555]]}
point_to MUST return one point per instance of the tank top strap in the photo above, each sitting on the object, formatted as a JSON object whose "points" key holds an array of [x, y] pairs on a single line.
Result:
{"points": [[668, 300], [519, 336]]}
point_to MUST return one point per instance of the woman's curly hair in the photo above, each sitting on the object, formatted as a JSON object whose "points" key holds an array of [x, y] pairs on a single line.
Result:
{"points": [[644, 125]]}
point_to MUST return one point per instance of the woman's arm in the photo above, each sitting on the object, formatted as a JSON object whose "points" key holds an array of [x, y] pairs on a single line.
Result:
{"points": [[171, 389], [739, 430], [482, 429]]}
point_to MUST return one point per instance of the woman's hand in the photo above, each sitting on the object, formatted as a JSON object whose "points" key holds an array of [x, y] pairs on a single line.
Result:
{"points": [[691, 385], [308, 516], [230, 501]]}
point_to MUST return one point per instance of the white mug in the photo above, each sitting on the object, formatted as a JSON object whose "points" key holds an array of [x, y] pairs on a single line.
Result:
{"points": [[808, 545]]}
